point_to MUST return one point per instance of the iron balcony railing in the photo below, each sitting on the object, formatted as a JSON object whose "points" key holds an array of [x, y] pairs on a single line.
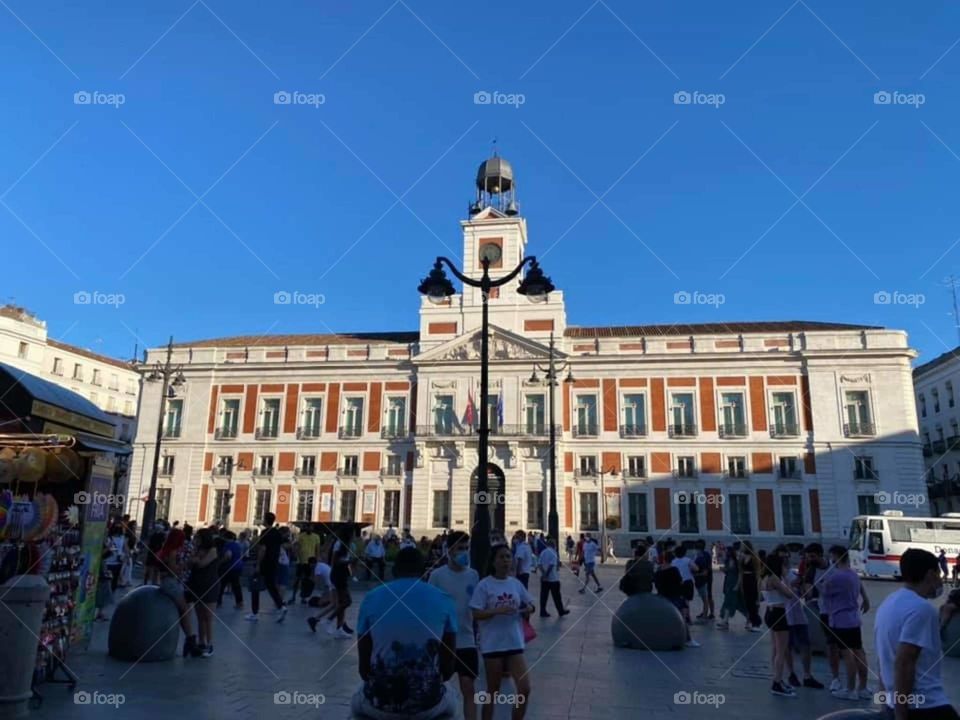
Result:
{"points": [[682, 430], [223, 471], [859, 429], [348, 472], [266, 433], [783, 430], [790, 474], [263, 472], [305, 472], [632, 430], [867, 474], [393, 433], [635, 474], [307, 432], [225, 433], [939, 446], [350, 432], [731, 430], [585, 472], [171, 433], [585, 430]]}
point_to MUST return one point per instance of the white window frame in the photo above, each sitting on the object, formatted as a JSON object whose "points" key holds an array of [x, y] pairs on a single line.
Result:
{"points": [[534, 427], [646, 466], [644, 416], [746, 465], [803, 513], [745, 397], [772, 405], [221, 415], [304, 407], [588, 430], [345, 413], [402, 427], [262, 414], [671, 404], [872, 405]]}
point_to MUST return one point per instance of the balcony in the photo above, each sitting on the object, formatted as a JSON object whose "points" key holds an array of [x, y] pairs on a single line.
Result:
{"points": [[171, 433], [443, 430], [391, 473], [784, 430], [221, 471], [165, 472], [350, 432], [305, 472], [939, 447], [790, 474], [582, 430], [263, 472], [688, 473], [225, 433], [682, 431], [393, 433], [348, 472], [270, 432], [927, 451], [737, 475], [632, 431], [640, 474], [534, 430], [585, 473], [308, 432], [866, 475], [860, 429], [732, 430]]}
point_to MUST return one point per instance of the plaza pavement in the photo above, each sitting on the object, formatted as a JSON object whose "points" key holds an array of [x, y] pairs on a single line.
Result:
{"points": [[575, 671]]}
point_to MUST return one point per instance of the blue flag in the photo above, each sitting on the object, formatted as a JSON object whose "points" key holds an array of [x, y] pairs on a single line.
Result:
{"points": [[500, 408]]}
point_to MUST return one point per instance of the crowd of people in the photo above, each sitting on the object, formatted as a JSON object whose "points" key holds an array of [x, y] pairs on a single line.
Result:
{"points": [[438, 617]]}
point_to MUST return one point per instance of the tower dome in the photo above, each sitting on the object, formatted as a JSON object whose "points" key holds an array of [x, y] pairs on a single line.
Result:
{"points": [[496, 187]]}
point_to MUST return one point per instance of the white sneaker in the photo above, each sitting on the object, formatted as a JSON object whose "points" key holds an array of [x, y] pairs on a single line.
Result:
{"points": [[692, 643], [281, 614], [755, 629], [252, 617], [834, 684], [341, 634], [844, 694], [331, 628]]}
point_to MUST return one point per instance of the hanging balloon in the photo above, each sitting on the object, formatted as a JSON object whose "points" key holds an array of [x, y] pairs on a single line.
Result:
{"points": [[7, 456], [63, 465], [31, 465]]}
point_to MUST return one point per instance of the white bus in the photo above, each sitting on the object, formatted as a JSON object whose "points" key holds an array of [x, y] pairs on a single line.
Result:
{"points": [[878, 541]]}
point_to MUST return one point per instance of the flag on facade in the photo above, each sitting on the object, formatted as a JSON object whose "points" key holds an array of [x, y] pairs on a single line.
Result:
{"points": [[500, 409], [468, 415]]}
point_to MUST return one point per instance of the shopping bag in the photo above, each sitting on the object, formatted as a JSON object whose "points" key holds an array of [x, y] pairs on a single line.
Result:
{"points": [[528, 632]]}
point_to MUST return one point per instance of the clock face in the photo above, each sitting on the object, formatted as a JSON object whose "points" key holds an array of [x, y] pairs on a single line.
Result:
{"points": [[490, 252]]}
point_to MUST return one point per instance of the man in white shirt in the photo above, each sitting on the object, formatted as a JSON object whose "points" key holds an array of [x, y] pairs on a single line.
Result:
{"points": [[550, 580], [459, 580], [374, 555], [907, 639], [590, 551], [522, 558]]}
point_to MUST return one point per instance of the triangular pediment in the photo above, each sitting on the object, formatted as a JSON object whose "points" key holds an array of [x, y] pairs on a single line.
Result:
{"points": [[503, 345]]}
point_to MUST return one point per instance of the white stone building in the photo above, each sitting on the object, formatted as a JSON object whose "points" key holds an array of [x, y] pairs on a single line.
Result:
{"points": [[112, 385], [937, 384], [762, 430]]}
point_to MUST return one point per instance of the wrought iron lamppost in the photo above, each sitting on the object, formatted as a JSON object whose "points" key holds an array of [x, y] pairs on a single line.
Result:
{"points": [[437, 287], [550, 378], [172, 377]]}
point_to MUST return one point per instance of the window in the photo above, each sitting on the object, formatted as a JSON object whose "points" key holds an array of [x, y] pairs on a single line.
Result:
{"points": [[682, 415], [586, 416], [634, 415], [739, 513], [935, 394], [867, 505], [441, 508], [732, 415], [790, 468], [128, 408], [261, 505], [171, 425], [948, 390], [269, 418], [394, 466], [348, 505], [954, 430], [352, 418], [305, 505], [111, 403], [78, 372], [312, 420], [589, 513], [23, 350], [163, 503], [493, 412], [737, 466], [125, 432], [686, 466], [266, 465], [221, 505], [58, 366], [351, 465], [224, 466], [229, 418], [114, 382], [636, 466], [863, 468], [308, 466], [443, 415], [637, 509], [97, 380], [396, 423], [535, 510], [859, 420], [689, 520], [588, 465], [923, 405], [166, 467], [131, 387], [391, 507], [534, 414], [783, 415], [792, 508]]}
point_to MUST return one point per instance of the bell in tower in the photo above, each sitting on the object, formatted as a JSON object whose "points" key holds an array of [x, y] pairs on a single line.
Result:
{"points": [[496, 187]]}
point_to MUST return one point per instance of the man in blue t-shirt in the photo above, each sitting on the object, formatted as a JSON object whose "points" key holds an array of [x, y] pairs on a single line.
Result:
{"points": [[407, 635]]}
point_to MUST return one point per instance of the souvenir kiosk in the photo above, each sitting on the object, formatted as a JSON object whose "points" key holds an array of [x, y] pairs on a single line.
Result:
{"points": [[57, 463]]}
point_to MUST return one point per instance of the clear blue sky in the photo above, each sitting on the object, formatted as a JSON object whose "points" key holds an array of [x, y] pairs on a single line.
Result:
{"points": [[107, 207]]}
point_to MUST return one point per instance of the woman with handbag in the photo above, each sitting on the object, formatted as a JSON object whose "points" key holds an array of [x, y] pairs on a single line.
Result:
{"points": [[502, 606]]}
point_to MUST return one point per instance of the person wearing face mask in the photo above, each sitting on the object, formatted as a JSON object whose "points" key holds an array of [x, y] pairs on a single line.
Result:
{"points": [[458, 580], [907, 638]]}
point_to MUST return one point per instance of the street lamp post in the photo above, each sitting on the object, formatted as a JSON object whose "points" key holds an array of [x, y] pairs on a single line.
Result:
{"points": [[603, 513], [171, 376], [551, 373], [437, 287]]}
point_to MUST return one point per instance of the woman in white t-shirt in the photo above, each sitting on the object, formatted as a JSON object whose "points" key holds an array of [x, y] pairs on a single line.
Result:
{"points": [[500, 604]]}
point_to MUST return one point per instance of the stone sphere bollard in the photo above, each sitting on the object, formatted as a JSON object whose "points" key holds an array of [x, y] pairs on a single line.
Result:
{"points": [[145, 627], [648, 622]]}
